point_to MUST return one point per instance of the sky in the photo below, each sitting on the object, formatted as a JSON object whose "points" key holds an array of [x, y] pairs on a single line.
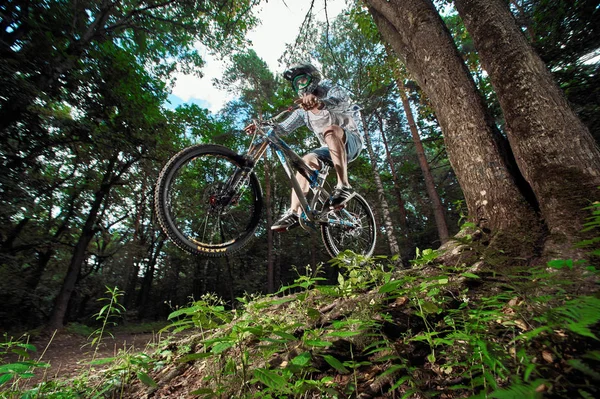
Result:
{"points": [[280, 22]]}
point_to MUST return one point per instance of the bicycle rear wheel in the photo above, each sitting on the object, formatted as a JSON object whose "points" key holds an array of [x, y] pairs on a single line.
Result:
{"points": [[350, 228], [205, 202]]}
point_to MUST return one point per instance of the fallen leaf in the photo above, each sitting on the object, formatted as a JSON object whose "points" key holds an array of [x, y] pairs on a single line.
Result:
{"points": [[541, 388], [400, 301], [548, 356], [521, 324]]}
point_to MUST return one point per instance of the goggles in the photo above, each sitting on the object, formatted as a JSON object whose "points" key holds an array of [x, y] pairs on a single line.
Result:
{"points": [[301, 82]]}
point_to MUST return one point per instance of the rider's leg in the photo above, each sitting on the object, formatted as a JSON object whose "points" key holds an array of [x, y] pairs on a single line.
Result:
{"points": [[336, 141], [312, 161]]}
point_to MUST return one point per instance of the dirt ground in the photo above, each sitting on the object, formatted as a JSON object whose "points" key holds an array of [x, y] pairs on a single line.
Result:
{"points": [[70, 354]]}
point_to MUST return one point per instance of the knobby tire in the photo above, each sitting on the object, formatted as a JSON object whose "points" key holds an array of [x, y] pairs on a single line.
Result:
{"points": [[192, 209]]}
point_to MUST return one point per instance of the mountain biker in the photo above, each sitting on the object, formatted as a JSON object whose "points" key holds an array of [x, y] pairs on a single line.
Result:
{"points": [[327, 111]]}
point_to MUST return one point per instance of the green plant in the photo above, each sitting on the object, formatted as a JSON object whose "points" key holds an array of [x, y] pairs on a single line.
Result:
{"points": [[205, 314], [23, 367], [107, 315]]}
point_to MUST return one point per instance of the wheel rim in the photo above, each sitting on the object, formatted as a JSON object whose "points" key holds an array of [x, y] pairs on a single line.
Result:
{"points": [[200, 211], [351, 228]]}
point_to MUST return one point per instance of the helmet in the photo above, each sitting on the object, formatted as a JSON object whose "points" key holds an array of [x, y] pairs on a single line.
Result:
{"points": [[304, 77]]}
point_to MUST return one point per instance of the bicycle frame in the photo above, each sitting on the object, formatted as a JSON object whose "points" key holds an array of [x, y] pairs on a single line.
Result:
{"points": [[291, 163]]}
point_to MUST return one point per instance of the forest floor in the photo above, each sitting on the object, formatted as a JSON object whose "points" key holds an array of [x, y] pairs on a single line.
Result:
{"points": [[69, 354]]}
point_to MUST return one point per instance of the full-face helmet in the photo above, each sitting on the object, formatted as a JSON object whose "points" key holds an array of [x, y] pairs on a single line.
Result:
{"points": [[304, 77]]}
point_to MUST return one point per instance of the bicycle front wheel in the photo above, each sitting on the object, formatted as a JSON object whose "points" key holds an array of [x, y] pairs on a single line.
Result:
{"points": [[350, 228], [206, 203]]}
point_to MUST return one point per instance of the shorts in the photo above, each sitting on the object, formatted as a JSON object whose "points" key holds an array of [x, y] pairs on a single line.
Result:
{"points": [[353, 148]]}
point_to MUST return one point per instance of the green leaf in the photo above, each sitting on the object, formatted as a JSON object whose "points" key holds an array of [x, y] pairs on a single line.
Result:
{"points": [[392, 369], [302, 359], [336, 364], [470, 275], [21, 352], [317, 343], [531, 334], [344, 334], [221, 347], [431, 357], [146, 379], [518, 391], [429, 307], [105, 360], [560, 263], [314, 314], [270, 379], [4, 378], [390, 286], [16, 368], [528, 370]]}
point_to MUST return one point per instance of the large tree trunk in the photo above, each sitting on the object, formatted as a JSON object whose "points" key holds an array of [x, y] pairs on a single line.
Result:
{"points": [[476, 150], [383, 205], [553, 149]]}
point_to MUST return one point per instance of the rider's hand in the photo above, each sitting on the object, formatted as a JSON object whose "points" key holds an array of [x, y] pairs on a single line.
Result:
{"points": [[250, 129], [309, 102]]}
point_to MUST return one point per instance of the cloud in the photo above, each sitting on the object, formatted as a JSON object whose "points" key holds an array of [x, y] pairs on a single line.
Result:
{"points": [[280, 25]]}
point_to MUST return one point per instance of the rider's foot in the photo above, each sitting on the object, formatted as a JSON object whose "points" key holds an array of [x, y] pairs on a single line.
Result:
{"points": [[340, 196], [287, 221]]}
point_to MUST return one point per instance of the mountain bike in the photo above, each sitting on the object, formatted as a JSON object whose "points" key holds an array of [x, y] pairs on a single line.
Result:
{"points": [[208, 199]]}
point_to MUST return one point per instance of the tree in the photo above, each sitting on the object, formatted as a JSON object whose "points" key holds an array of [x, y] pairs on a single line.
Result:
{"points": [[553, 148], [259, 93], [41, 53], [494, 191]]}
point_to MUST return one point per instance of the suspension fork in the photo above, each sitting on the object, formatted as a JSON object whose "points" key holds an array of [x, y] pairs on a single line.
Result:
{"points": [[241, 175]]}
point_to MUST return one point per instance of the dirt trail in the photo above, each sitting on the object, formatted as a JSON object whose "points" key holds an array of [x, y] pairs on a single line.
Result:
{"points": [[70, 354]]}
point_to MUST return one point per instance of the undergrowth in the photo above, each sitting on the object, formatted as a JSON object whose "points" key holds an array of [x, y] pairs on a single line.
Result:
{"points": [[432, 331]]}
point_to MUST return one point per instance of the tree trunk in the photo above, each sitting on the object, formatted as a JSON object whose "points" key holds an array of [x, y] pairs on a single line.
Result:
{"points": [[136, 244], [436, 202], [88, 231], [385, 209], [553, 148], [268, 201], [146, 286], [401, 203], [476, 150]]}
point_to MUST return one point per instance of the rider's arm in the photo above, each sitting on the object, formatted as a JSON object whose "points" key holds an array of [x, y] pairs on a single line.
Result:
{"points": [[292, 122], [336, 96]]}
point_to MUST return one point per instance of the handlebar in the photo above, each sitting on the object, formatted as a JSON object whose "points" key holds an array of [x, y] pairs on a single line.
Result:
{"points": [[285, 111], [269, 122]]}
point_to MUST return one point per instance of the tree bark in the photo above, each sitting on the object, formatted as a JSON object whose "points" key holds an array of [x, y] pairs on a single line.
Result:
{"points": [[476, 150], [553, 148], [385, 210]]}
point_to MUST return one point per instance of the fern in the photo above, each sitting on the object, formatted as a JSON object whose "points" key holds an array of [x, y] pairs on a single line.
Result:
{"points": [[584, 368], [579, 314]]}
